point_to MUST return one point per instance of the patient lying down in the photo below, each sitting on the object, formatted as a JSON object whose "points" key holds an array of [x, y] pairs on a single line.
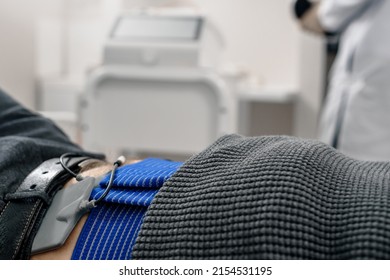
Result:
{"points": [[271, 197]]}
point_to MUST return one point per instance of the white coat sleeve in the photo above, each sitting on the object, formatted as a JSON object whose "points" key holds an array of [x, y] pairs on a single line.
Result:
{"points": [[334, 15]]}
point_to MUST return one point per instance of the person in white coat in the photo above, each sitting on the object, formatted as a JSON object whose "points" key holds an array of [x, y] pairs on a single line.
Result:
{"points": [[356, 115]]}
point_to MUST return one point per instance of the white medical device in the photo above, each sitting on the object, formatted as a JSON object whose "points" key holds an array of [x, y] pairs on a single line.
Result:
{"points": [[163, 39], [157, 90]]}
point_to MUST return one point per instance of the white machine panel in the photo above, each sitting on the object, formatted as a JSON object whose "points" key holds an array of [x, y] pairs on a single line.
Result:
{"points": [[157, 28], [162, 40], [180, 111]]}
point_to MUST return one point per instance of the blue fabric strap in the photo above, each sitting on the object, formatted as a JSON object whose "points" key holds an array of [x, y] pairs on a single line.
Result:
{"points": [[112, 227]]}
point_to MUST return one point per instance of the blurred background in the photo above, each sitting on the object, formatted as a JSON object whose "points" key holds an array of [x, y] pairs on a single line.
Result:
{"points": [[50, 47]]}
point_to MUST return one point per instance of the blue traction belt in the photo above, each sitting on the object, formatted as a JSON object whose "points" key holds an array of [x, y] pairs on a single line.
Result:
{"points": [[113, 226]]}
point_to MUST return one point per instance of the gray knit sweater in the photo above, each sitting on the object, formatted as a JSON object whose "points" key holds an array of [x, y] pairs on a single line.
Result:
{"points": [[270, 198]]}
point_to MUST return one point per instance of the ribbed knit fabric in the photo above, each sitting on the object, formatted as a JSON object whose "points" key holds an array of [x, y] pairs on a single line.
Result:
{"points": [[270, 198]]}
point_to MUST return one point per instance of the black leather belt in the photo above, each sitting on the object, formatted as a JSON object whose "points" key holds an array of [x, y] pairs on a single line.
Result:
{"points": [[26, 207]]}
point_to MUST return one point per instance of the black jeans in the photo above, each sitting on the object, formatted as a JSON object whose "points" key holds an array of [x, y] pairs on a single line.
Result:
{"points": [[26, 140]]}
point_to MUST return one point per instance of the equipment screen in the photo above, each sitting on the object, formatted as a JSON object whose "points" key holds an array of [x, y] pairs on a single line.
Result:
{"points": [[157, 28]]}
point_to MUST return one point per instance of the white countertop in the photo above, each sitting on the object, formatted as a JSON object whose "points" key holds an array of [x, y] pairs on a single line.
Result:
{"points": [[272, 94]]}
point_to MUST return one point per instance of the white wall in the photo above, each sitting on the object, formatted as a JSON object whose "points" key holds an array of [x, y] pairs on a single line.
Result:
{"points": [[18, 41], [17, 19], [78, 36], [261, 35]]}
